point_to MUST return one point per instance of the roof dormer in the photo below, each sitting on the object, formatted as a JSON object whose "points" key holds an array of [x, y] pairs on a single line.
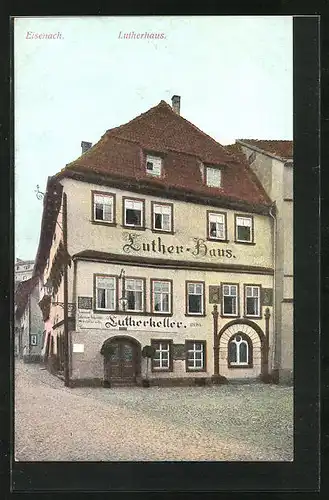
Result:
{"points": [[211, 175], [153, 165]]}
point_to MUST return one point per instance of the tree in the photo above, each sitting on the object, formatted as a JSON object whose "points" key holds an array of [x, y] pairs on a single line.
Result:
{"points": [[148, 352]]}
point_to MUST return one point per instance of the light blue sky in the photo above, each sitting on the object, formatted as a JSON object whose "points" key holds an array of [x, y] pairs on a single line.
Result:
{"points": [[234, 76]]}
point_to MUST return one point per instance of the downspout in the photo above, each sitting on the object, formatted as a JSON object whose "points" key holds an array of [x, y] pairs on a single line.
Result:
{"points": [[29, 337], [66, 307], [275, 340]]}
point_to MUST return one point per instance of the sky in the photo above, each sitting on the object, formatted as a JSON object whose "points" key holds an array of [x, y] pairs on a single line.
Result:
{"points": [[234, 76]]}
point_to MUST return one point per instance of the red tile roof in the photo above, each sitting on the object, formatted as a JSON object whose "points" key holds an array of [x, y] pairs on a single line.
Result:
{"points": [[281, 149], [121, 153], [22, 293]]}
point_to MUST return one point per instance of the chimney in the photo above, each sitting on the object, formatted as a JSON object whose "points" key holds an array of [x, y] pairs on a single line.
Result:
{"points": [[175, 103], [85, 146]]}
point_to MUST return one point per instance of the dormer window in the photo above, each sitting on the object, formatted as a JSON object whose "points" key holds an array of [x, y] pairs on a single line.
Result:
{"points": [[153, 165], [213, 176]]}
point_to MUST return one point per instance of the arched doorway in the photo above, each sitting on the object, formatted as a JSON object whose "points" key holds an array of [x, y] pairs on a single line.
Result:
{"points": [[122, 360]]}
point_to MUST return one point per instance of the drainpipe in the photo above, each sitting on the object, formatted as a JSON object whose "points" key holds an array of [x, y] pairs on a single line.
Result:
{"points": [[66, 311], [29, 338], [275, 337]]}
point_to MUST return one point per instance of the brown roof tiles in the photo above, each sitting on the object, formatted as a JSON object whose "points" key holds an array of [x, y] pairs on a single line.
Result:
{"points": [[281, 149], [121, 153]]}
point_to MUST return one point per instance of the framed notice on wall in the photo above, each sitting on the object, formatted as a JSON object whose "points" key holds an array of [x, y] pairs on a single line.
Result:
{"points": [[85, 302]]}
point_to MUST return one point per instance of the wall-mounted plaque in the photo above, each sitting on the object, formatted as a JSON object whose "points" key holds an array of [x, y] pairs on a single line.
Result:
{"points": [[85, 302], [178, 351], [267, 296], [214, 294], [78, 347]]}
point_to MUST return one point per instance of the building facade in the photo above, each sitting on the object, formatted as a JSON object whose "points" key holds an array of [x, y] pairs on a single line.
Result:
{"points": [[272, 162], [159, 240], [29, 324], [23, 270]]}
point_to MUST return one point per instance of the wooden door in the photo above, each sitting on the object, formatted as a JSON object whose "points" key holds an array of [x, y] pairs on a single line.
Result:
{"points": [[120, 365]]}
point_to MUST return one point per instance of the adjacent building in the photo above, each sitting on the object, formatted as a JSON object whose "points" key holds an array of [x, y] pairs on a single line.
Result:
{"points": [[272, 162], [29, 324], [23, 270], [157, 238]]}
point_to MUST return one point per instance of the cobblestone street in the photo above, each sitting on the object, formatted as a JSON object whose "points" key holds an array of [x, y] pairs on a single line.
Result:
{"points": [[233, 422]]}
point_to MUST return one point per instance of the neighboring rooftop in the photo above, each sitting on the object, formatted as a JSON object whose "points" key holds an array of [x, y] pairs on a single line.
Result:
{"points": [[22, 293], [280, 149]]}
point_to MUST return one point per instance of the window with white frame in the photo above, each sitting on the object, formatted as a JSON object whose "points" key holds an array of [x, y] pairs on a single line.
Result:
{"points": [[195, 298], [230, 300], [153, 165], [216, 226], [239, 352], [133, 213], [252, 300], [162, 357], [33, 339], [103, 207], [161, 296], [106, 293], [213, 177], [162, 217], [195, 355], [134, 293], [243, 229]]}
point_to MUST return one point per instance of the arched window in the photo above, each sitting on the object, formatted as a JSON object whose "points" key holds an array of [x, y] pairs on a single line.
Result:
{"points": [[240, 351]]}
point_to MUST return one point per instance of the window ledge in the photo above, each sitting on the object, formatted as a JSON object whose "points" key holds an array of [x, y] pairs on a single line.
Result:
{"points": [[196, 370], [103, 223], [240, 366], [244, 242], [161, 370], [195, 315], [161, 231], [159, 314], [217, 240], [252, 317], [229, 316], [134, 228]]}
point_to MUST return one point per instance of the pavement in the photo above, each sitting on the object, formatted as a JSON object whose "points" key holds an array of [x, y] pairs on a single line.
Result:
{"points": [[249, 422]]}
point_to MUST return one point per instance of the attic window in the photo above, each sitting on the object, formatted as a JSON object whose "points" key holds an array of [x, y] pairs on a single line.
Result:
{"points": [[153, 165], [213, 176]]}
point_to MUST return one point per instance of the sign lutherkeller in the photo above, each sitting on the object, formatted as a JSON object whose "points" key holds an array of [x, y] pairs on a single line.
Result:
{"points": [[87, 319]]}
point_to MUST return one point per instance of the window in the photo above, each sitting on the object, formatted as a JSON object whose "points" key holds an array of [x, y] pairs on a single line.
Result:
{"points": [[106, 293], [154, 165], [239, 351], [229, 300], [195, 298], [103, 207], [243, 229], [162, 217], [161, 296], [195, 355], [216, 226], [133, 212], [213, 177], [33, 339], [162, 359], [134, 293], [252, 300]]}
